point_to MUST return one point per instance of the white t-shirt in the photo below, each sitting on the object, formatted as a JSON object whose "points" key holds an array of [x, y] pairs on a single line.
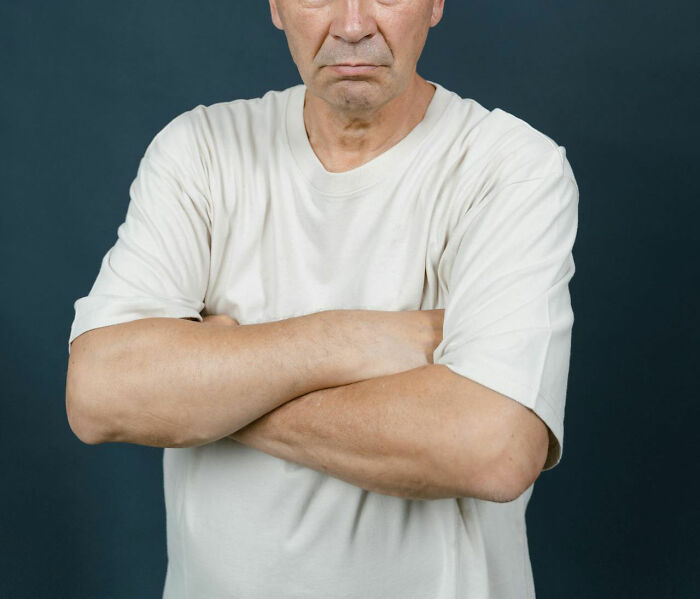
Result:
{"points": [[232, 212]]}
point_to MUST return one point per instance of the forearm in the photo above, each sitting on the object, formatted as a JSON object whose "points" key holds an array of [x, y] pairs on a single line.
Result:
{"points": [[171, 382], [404, 434]]}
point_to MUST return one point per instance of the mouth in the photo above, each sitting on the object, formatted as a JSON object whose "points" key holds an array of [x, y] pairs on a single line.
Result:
{"points": [[353, 69]]}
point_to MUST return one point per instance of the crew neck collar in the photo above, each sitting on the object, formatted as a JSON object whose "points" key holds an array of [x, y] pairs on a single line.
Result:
{"points": [[368, 174]]}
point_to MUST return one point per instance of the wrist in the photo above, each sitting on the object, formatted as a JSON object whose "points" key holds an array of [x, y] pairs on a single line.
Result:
{"points": [[342, 345]]}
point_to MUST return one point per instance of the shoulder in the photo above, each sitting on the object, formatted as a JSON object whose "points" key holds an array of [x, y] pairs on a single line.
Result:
{"points": [[495, 147], [220, 117], [202, 133], [517, 150]]}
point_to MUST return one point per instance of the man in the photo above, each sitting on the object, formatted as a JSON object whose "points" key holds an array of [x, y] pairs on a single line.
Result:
{"points": [[327, 432]]}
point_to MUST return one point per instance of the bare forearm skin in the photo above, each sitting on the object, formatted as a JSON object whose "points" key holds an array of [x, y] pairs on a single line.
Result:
{"points": [[408, 434], [168, 382]]}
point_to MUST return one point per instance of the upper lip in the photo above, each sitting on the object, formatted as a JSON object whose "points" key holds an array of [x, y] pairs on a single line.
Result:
{"points": [[353, 64]]}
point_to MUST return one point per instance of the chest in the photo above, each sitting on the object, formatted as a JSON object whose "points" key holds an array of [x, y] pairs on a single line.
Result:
{"points": [[280, 250]]}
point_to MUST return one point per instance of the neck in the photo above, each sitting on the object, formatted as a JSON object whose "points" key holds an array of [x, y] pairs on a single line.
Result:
{"points": [[345, 139]]}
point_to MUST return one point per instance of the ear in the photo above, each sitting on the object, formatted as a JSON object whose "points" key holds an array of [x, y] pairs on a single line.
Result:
{"points": [[275, 15], [438, 7]]}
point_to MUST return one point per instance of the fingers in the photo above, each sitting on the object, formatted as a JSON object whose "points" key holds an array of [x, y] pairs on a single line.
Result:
{"points": [[220, 319]]}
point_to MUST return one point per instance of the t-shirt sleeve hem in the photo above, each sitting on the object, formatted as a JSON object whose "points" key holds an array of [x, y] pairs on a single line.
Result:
{"points": [[107, 317]]}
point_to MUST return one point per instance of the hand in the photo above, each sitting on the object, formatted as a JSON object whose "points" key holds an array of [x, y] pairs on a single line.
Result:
{"points": [[416, 333], [392, 341], [220, 320]]}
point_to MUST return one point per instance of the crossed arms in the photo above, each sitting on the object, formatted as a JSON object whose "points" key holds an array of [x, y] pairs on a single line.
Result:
{"points": [[352, 393]]}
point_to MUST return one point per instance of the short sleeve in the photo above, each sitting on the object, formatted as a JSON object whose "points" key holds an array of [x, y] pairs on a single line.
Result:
{"points": [[508, 314], [159, 264]]}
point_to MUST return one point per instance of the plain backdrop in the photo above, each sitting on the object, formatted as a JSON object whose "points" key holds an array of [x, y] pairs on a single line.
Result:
{"points": [[84, 87]]}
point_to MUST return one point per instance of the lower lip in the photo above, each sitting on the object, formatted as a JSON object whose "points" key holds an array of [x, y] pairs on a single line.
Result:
{"points": [[357, 70]]}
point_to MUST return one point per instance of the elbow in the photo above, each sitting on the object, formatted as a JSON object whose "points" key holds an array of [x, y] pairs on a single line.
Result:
{"points": [[516, 457], [87, 436], [93, 416], [506, 485], [108, 400], [510, 475], [502, 476], [85, 419], [83, 423]]}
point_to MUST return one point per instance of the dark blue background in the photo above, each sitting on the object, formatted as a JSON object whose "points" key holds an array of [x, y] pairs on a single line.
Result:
{"points": [[87, 84]]}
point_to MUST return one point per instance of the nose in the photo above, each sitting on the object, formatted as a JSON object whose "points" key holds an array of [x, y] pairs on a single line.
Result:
{"points": [[353, 20]]}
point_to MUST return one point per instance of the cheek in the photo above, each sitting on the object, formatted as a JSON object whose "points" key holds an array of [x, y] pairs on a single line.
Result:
{"points": [[305, 41], [404, 34]]}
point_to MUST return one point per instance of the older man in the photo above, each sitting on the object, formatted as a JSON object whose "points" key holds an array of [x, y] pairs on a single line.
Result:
{"points": [[377, 270]]}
